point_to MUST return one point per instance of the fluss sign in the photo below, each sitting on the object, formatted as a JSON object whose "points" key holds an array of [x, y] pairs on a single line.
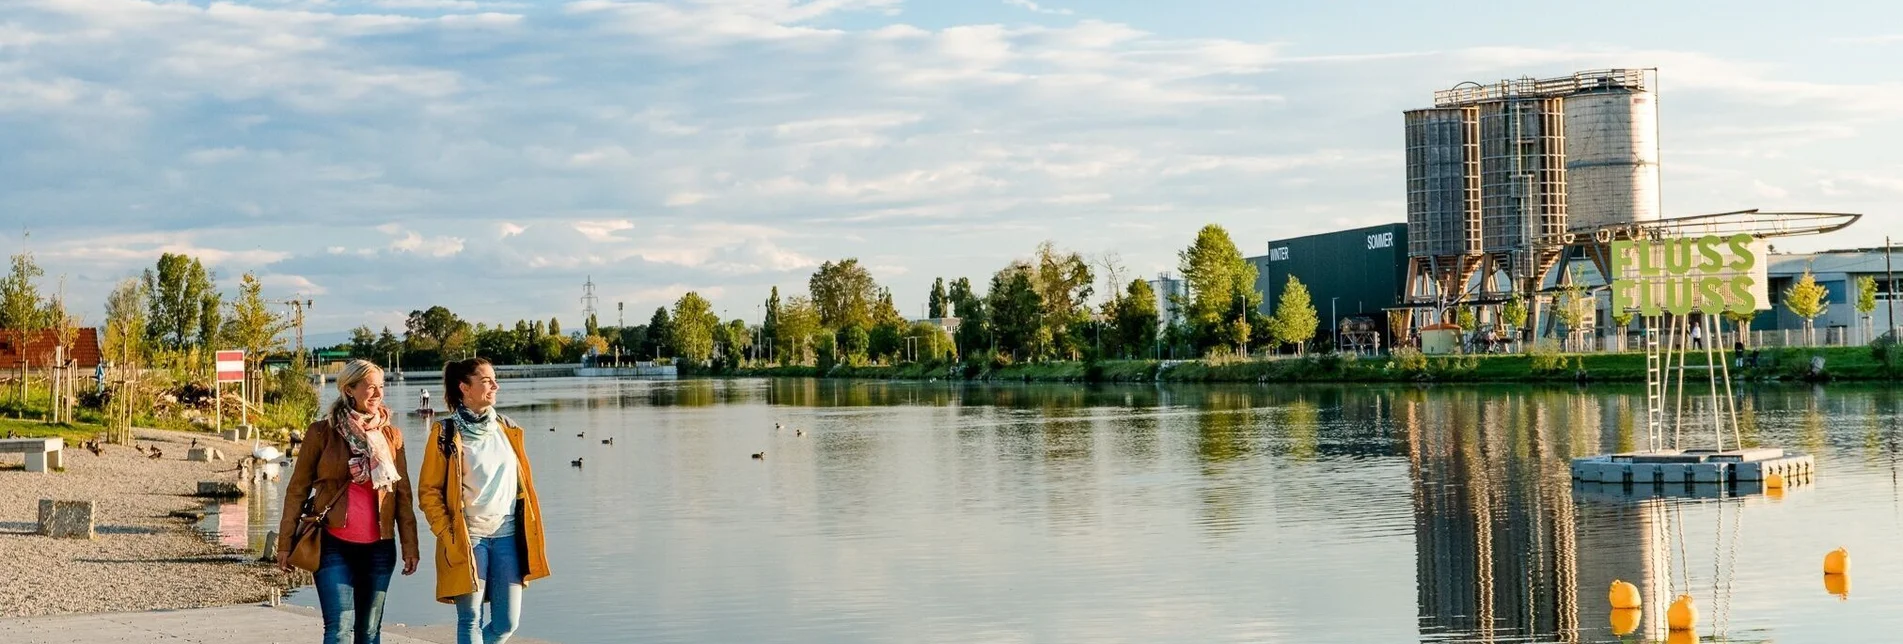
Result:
{"points": [[1709, 274]]}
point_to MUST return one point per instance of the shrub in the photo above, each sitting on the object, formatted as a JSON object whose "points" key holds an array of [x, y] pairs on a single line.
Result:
{"points": [[1407, 359]]}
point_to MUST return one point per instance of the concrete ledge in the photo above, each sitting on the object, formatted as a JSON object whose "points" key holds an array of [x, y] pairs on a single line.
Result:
{"points": [[66, 519]]}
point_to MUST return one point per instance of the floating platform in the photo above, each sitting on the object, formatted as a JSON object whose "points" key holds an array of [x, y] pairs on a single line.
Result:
{"points": [[1694, 467]]}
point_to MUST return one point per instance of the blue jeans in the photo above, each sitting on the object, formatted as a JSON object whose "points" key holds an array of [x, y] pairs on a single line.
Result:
{"points": [[499, 569], [352, 579]]}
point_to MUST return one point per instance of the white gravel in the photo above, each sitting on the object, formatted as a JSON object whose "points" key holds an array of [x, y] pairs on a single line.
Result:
{"points": [[142, 558]]}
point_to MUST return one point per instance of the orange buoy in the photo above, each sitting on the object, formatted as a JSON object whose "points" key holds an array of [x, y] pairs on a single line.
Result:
{"points": [[1623, 595], [1625, 620], [1775, 493], [1682, 616], [1838, 585], [1837, 562], [1682, 637], [1774, 481]]}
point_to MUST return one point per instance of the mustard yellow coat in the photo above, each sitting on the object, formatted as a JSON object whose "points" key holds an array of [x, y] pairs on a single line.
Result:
{"points": [[439, 490]]}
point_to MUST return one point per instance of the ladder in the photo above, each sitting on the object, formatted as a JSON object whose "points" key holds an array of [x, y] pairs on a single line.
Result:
{"points": [[1655, 383]]}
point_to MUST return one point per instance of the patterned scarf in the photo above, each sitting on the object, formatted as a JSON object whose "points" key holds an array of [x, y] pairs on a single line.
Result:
{"points": [[371, 461]]}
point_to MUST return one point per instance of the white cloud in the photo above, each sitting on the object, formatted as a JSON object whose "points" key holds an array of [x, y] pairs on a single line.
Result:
{"points": [[1036, 8], [602, 230], [735, 143]]}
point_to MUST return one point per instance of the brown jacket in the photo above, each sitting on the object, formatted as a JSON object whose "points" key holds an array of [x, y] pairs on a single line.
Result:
{"points": [[440, 491], [323, 468]]}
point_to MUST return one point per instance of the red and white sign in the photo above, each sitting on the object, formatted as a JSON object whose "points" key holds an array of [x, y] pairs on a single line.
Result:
{"points": [[230, 366]]}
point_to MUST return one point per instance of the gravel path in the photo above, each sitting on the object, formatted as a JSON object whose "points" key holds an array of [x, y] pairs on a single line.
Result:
{"points": [[142, 558]]}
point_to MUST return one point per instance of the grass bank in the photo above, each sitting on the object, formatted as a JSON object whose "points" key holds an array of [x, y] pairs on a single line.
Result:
{"points": [[1789, 364]]}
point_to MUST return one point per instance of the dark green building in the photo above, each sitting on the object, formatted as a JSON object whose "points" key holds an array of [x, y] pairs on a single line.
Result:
{"points": [[1349, 273]]}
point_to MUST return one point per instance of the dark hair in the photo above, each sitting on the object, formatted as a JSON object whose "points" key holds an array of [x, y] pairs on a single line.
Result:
{"points": [[457, 372]]}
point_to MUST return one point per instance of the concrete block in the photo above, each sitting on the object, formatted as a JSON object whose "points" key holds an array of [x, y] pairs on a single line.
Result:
{"points": [[270, 547], [220, 489], [1675, 473], [1709, 473], [66, 519], [204, 455], [1645, 473]]}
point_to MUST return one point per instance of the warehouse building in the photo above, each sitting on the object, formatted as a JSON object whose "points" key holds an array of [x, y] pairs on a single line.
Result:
{"points": [[1837, 271], [1351, 274]]}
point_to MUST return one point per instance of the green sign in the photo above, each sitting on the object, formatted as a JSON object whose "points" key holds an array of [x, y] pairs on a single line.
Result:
{"points": [[1709, 274]]}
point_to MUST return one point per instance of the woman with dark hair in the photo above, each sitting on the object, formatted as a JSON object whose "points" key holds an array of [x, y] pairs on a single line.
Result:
{"points": [[479, 496], [352, 469]]}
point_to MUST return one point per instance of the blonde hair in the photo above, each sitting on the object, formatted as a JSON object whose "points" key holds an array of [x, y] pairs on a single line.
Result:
{"points": [[354, 372]]}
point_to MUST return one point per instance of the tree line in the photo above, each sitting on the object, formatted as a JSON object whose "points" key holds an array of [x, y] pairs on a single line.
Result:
{"points": [[1043, 306]]}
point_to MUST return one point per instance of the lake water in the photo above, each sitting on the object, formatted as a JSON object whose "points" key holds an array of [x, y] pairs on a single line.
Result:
{"points": [[933, 512]]}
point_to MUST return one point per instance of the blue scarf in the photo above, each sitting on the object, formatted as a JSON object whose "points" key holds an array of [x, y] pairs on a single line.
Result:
{"points": [[474, 426]]}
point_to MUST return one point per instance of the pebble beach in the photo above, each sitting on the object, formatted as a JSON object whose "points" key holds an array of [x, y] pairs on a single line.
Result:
{"points": [[143, 557]]}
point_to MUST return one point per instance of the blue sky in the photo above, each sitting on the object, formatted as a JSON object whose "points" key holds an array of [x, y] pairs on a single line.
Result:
{"points": [[380, 156]]}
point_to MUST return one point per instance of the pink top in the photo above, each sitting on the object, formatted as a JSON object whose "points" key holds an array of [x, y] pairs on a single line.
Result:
{"points": [[360, 524]]}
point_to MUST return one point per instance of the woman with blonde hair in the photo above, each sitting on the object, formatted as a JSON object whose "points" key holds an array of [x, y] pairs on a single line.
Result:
{"points": [[351, 476], [478, 493]]}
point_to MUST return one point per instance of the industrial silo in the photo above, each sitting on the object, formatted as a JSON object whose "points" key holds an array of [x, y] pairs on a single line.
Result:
{"points": [[1522, 172], [1612, 155], [1443, 182]]}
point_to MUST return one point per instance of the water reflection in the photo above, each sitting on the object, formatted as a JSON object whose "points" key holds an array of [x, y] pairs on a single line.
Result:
{"points": [[937, 512]]}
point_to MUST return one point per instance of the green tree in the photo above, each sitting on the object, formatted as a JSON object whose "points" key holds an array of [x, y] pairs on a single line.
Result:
{"points": [[844, 294], [1013, 309], [363, 342], [1807, 300], [591, 326], [797, 330], [854, 341], [1623, 321], [210, 318], [499, 345], [1513, 313], [1572, 306], [1464, 318], [387, 346], [1295, 320], [770, 324], [693, 330], [1064, 284], [178, 287], [940, 300], [1866, 301], [739, 338], [1136, 319], [963, 301], [23, 311], [1221, 285], [426, 330], [660, 339], [252, 326], [931, 341], [126, 317], [554, 326]]}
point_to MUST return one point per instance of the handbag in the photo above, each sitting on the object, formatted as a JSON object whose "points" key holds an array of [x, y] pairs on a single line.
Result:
{"points": [[308, 537]]}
